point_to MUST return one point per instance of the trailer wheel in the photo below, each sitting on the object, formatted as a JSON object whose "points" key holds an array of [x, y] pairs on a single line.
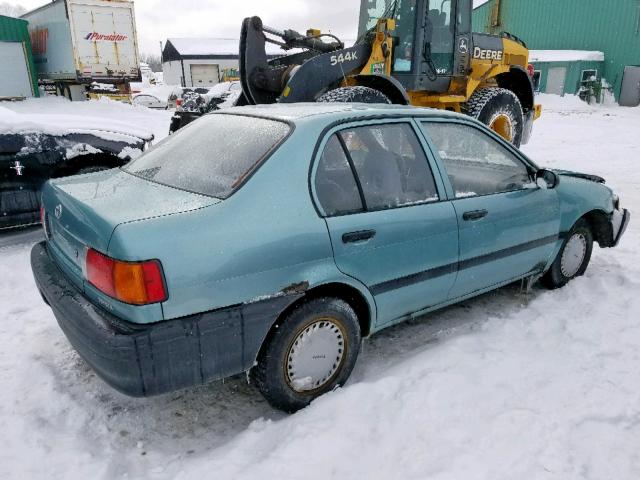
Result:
{"points": [[356, 94], [500, 110]]}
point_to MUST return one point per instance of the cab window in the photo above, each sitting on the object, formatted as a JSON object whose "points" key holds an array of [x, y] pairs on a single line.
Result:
{"points": [[476, 163]]}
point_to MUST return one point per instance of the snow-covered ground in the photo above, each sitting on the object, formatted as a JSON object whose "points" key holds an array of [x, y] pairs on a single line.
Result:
{"points": [[510, 385]]}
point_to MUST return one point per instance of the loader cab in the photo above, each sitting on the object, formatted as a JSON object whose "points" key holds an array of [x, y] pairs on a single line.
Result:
{"points": [[432, 39]]}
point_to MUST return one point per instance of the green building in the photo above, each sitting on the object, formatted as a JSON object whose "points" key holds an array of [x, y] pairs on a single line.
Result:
{"points": [[19, 77], [585, 27]]}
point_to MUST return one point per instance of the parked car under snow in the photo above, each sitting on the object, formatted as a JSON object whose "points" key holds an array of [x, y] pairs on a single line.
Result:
{"points": [[194, 104], [32, 152]]}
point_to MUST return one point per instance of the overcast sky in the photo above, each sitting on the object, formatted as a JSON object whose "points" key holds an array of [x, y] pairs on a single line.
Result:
{"points": [[158, 20]]}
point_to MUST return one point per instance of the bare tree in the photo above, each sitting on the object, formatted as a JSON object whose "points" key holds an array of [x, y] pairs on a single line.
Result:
{"points": [[152, 60], [11, 9]]}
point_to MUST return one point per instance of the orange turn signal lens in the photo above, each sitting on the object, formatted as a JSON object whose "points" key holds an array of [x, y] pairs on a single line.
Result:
{"points": [[137, 283]]}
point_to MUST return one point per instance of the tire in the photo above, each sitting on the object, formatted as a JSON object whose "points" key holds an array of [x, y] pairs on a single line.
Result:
{"points": [[499, 109], [566, 266], [295, 366], [354, 94]]}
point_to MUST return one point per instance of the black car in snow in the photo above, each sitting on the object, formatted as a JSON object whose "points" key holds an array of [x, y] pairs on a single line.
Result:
{"points": [[29, 159]]}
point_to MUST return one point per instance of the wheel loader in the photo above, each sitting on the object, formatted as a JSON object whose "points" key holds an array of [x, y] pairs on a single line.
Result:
{"points": [[411, 52]]}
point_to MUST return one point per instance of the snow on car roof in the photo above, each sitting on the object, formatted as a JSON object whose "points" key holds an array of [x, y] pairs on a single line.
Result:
{"points": [[565, 56], [293, 111], [59, 118]]}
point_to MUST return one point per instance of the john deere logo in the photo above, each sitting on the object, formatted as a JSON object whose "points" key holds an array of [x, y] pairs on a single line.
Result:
{"points": [[463, 46], [99, 37]]}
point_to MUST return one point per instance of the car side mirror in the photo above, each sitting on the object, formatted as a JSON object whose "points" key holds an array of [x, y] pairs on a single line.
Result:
{"points": [[547, 178]]}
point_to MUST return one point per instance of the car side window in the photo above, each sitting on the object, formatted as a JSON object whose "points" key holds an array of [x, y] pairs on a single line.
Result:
{"points": [[477, 164], [391, 165], [335, 184]]}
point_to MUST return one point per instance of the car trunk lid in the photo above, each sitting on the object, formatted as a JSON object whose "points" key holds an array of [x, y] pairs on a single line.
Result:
{"points": [[83, 211]]}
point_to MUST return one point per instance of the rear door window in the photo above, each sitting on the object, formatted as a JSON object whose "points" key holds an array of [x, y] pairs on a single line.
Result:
{"points": [[335, 184], [391, 166], [212, 156]]}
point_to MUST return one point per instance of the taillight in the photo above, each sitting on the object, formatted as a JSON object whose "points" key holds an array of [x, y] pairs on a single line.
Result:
{"points": [[531, 70], [42, 213], [178, 102], [137, 283]]}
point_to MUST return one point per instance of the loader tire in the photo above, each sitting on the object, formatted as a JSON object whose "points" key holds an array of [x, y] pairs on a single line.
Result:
{"points": [[354, 94], [499, 109]]}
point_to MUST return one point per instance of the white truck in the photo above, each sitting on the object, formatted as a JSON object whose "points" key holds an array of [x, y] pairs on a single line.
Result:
{"points": [[80, 43]]}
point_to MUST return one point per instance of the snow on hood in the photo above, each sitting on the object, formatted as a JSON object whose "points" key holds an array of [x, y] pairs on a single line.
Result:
{"points": [[60, 124]]}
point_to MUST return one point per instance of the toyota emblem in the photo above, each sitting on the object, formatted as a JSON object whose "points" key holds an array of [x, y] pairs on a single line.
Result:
{"points": [[58, 211]]}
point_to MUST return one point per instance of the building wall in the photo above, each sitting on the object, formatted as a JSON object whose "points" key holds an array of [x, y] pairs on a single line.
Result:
{"points": [[15, 30], [574, 73], [173, 70], [612, 27]]}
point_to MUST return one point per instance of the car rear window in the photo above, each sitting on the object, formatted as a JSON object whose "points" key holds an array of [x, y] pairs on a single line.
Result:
{"points": [[212, 156]]}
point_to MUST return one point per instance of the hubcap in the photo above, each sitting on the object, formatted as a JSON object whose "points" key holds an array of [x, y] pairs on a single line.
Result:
{"points": [[503, 126], [315, 355], [573, 255]]}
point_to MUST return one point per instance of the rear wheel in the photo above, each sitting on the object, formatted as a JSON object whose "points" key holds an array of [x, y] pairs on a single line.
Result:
{"points": [[573, 259], [356, 94], [312, 351], [500, 110]]}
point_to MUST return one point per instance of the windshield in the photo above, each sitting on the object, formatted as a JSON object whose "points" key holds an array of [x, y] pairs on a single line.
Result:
{"points": [[404, 13], [212, 156], [371, 11]]}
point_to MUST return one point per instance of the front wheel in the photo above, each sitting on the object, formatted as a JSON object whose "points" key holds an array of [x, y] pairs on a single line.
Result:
{"points": [[499, 109], [310, 353], [573, 259]]}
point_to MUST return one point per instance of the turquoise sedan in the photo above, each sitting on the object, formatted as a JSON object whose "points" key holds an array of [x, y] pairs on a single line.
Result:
{"points": [[272, 239]]}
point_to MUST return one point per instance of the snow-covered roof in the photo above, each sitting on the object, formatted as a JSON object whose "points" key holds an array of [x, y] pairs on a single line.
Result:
{"points": [[565, 56]]}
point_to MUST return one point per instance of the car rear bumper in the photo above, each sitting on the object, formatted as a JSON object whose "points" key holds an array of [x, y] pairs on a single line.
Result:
{"points": [[144, 360]]}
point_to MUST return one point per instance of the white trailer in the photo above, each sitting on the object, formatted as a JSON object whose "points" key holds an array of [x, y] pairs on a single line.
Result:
{"points": [[78, 42]]}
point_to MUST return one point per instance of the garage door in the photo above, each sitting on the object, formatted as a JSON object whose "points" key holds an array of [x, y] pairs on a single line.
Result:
{"points": [[14, 81], [204, 75], [630, 93], [555, 80]]}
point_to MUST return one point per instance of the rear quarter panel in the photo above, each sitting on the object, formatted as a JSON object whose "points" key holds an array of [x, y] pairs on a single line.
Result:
{"points": [[262, 241]]}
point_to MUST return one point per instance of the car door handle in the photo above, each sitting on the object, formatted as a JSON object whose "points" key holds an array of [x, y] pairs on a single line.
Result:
{"points": [[361, 236], [474, 215]]}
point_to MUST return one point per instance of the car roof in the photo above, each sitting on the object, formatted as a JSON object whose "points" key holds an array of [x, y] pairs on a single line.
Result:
{"points": [[297, 111]]}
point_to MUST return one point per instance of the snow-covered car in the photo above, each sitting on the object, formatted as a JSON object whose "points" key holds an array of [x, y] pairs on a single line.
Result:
{"points": [[35, 148], [149, 101], [193, 104], [286, 233], [178, 94]]}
